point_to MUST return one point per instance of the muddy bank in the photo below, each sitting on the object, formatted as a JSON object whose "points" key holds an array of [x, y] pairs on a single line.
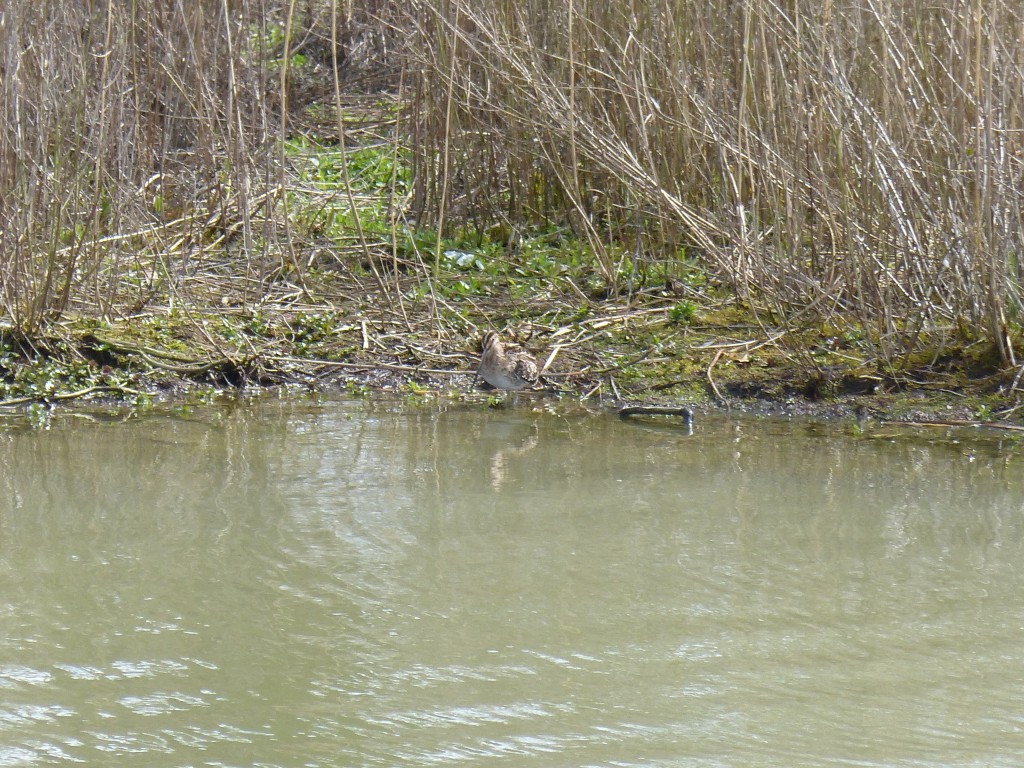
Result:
{"points": [[608, 354]]}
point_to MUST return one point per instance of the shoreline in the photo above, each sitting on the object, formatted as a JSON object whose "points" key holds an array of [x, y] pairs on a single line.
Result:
{"points": [[614, 356]]}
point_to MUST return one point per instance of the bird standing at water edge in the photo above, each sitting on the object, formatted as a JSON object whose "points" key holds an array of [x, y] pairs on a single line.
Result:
{"points": [[505, 369]]}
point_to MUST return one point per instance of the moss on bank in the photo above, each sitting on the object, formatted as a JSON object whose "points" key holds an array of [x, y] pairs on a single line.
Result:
{"points": [[341, 331]]}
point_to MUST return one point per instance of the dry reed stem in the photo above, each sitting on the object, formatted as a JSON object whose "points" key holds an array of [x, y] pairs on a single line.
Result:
{"points": [[861, 161], [852, 163]]}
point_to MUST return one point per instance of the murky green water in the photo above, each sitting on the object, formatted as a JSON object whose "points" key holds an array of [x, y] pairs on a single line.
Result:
{"points": [[347, 584]]}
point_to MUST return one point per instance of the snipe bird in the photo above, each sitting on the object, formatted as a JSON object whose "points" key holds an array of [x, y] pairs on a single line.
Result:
{"points": [[505, 369]]}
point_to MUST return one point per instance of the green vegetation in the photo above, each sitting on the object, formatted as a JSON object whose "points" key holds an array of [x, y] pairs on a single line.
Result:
{"points": [[683, 312], [293, 194]]}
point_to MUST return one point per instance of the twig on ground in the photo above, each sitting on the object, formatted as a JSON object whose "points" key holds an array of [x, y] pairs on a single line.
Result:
{"points": [[551, 358], [620, 366], [711, 381]]}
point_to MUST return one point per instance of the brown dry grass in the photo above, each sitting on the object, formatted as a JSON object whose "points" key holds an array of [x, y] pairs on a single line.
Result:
{"points": [[860, 162], [142, 146]]}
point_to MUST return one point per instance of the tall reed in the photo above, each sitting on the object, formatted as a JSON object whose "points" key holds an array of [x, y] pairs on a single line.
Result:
{"points": [[854, 161], [836, 159], [130, 133]]}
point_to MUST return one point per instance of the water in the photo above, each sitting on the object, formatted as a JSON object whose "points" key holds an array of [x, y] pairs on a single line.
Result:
{"points": [[352, 584]]}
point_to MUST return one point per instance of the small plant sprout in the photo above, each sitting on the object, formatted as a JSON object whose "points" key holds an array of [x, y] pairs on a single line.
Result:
{"points": [[682, 313]]}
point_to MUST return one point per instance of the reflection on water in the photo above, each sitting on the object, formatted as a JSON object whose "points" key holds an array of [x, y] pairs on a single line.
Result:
{"points": [[341, 584]]}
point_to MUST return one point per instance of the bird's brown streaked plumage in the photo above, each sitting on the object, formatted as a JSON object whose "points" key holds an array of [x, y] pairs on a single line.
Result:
{"points": [[505, 369]]}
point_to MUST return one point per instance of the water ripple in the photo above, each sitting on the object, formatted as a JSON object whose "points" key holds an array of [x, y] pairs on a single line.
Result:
{"points": [[467, 715], [12, 674], [161, 703], [318, 585]]}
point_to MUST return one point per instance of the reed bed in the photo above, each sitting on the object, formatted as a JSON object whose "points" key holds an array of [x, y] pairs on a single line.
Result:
{"points": [[143, 148], [857, 164], [853, 162], [133, 143]]}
